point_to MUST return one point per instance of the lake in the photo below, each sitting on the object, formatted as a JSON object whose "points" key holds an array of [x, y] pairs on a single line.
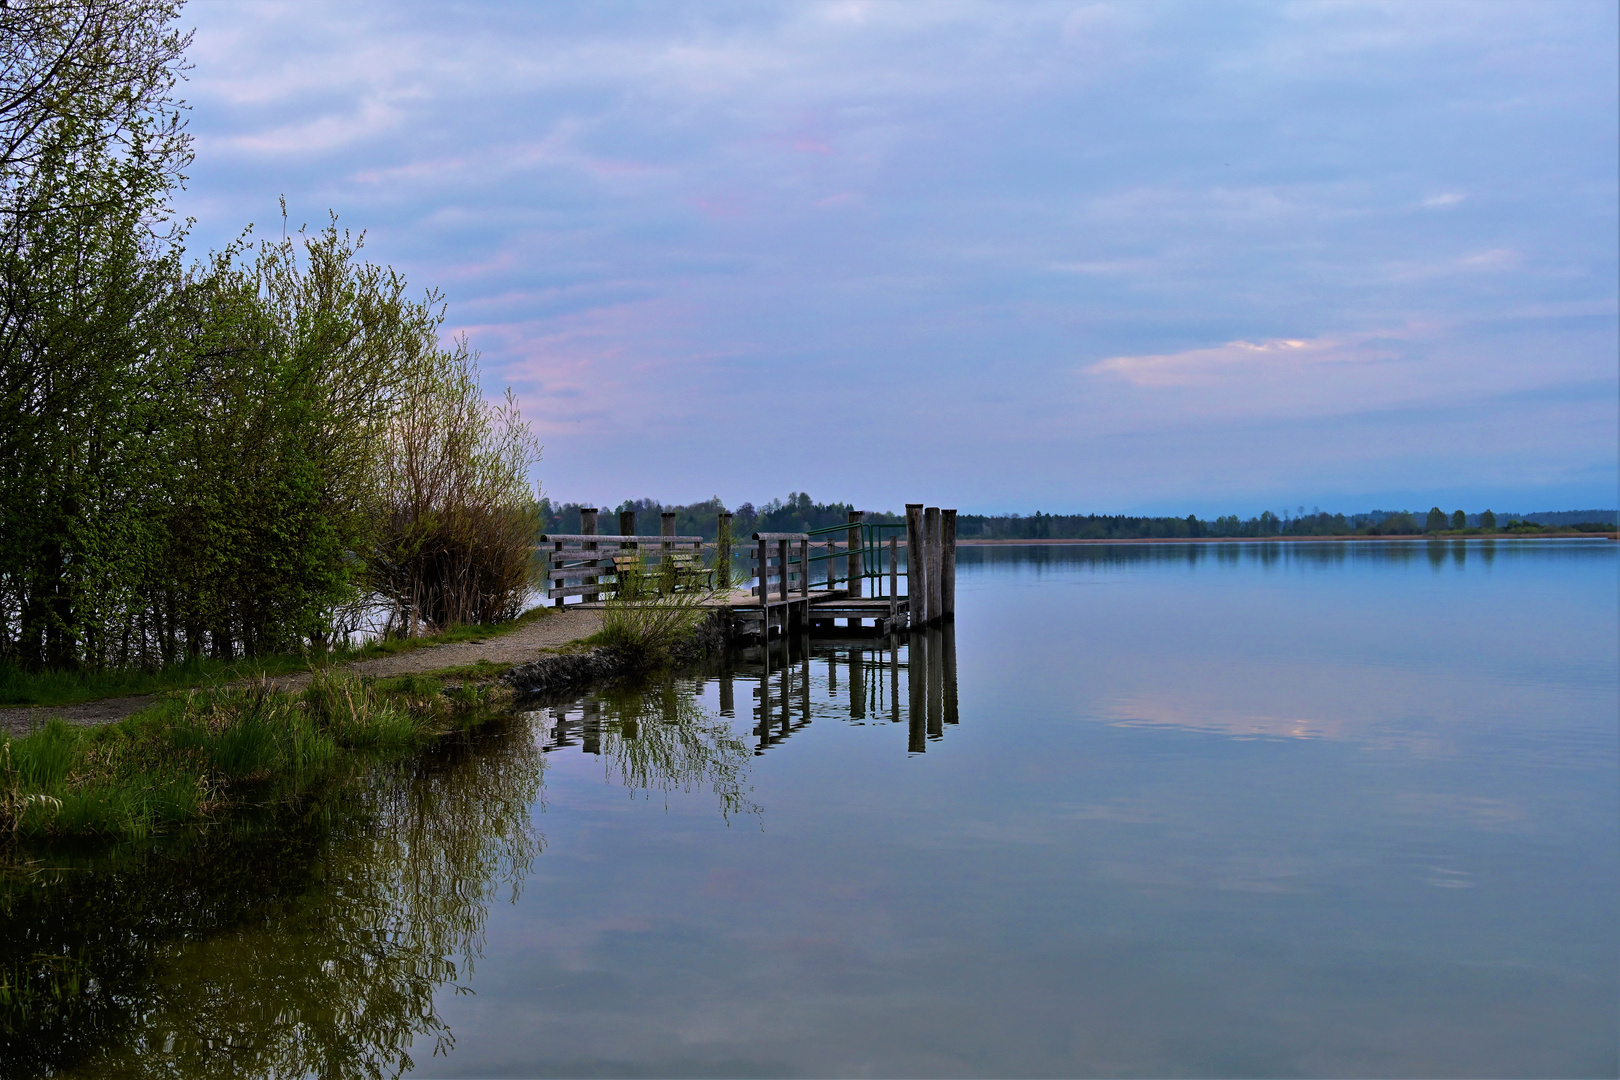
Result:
{"points": [[1262, 809]]}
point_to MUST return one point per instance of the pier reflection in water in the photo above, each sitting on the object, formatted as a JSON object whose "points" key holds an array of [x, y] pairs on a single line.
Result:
{"points": [[905, 679]]}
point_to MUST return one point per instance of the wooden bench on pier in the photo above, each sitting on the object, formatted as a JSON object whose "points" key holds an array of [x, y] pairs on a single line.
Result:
{"points": [[604, 565]]}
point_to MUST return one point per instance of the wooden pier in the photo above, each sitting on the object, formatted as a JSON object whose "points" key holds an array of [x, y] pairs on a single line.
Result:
{"points": [[797, 583]]}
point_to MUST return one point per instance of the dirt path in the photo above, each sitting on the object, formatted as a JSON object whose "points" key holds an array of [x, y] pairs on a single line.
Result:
{"points": [[520, 646]]}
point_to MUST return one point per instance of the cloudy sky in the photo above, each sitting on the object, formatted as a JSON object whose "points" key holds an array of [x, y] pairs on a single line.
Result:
{"points": [[1073, 257]]}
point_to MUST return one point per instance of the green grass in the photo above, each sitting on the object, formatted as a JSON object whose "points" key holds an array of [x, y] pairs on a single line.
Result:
{"points": [[19, 687], [197, 757]]}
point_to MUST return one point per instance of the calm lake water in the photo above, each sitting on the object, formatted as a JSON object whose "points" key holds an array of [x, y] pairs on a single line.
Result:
{"points": [[1244, 810]]}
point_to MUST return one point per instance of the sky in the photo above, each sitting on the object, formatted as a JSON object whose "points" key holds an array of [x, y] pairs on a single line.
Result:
{"points": [[1140, 258]]}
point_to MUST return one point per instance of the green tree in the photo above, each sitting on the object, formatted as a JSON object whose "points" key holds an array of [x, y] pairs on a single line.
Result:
{"points": [[1459, 520], [1487, 521], [1436, 521]]}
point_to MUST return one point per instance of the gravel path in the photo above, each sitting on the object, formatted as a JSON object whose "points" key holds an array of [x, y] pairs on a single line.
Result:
{"points": [[556, 628]]}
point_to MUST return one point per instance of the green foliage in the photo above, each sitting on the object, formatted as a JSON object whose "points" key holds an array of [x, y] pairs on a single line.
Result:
{"points": [[214, 751], [210, 462], [1459, 520], [1487, 521], [460, 519], [1436, 520]]}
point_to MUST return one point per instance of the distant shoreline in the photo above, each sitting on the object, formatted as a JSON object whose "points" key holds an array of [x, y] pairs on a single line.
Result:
{"points": [[981, 542]]}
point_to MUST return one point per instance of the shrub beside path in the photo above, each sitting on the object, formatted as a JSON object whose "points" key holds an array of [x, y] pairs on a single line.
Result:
{"points": [[527, 642]]}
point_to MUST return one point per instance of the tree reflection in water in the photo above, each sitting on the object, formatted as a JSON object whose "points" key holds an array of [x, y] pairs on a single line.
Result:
{"points": [[312, 943], [657, 738]]}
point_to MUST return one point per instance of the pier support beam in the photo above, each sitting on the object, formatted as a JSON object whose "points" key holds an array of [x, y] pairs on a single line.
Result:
{"points": [[947, 565]]}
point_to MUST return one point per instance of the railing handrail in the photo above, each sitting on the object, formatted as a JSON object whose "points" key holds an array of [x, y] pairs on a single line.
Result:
{"points": [[830, 530], [615, 538], [781, 536]]}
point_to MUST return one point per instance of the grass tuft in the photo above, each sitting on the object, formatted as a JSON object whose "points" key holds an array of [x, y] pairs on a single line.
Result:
{"points": [[196, 757]]}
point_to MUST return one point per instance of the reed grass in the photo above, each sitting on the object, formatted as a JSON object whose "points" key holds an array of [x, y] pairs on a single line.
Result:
{"points": [[653, 612], [197, 757]]}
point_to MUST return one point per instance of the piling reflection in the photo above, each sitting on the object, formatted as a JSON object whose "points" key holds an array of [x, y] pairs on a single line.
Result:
{"points": [[899, 679], [312, 944]]}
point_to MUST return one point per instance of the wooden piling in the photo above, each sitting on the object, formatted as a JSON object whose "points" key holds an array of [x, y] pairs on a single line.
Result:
{"points": [[932, 542], [947, 565], [855, 567], [587, 527], [916, 565], [627, 523]]}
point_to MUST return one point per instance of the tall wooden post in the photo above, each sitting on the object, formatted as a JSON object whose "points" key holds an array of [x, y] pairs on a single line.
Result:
{"points": [[627, 523], [666, 523], [855, 567], [804, 567], [782, 560], [587, 527], [932, 544], [947, 565], [722, 552], [832, 564], [916, 566]]}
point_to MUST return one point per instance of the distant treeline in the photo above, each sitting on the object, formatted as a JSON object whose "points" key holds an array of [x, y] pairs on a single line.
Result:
{"points": [[796, 513], [1042, 526], [799, 513]]}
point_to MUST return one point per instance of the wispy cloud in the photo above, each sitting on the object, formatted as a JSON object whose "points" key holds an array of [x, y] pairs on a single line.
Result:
{"points": [[661, 222], [1244, 360]]}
